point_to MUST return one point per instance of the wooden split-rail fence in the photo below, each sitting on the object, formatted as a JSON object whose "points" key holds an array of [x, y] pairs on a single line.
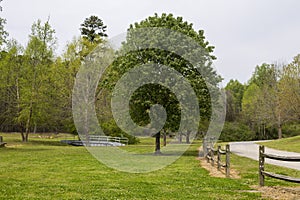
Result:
{"points": [[263, 173], [214, 156]]}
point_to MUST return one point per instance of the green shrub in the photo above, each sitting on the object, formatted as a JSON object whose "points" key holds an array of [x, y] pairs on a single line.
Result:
{"points": [[234, 131], [291, 129]]}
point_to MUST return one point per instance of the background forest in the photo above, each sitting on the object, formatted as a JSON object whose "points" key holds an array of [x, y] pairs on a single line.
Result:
{"points": [[36, 88]]}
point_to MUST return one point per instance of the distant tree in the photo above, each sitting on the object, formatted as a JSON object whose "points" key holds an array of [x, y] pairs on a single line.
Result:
{"points": [[3, 33], [66, 71], [234, 92], [267, 103], [250, 103], [257, 100], [289, 87], [93, 29], [35, 81], [263, 75], [11, 62]]}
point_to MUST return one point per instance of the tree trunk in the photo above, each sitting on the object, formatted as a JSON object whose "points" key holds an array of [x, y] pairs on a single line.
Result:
{"points": [[34, 129], [264, 131], [23, 136], [279, 122], [157, 143], [180, 138], [279, 131], [26, 137], [165, 138], [28, 124], [20, 124], [86, 128], [188, 137]]}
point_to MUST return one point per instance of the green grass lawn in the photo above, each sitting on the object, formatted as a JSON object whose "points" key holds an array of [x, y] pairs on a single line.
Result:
{"points": [[286, 144], [47, 169]]}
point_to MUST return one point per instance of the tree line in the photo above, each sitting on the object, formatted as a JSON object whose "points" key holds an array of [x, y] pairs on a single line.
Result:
{"points": [[36, 85], [267, 106]]}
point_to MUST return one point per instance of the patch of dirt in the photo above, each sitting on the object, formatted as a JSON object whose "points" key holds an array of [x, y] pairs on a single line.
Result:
{"points": [[279, 193], [213, 170]]}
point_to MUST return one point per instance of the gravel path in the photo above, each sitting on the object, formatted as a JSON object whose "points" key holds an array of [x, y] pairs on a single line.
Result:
{"points": [[250, 150]]}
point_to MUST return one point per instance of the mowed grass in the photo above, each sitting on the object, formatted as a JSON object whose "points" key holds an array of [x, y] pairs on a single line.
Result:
{"points": [[286, 144], [248, 169], [46, 169]]}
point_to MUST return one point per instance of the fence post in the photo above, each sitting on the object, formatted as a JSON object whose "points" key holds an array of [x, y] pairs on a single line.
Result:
{"points": [[205, 147], [208, 154], [212, 157], [261, 165], [227, 160], [206, 151], [219, 158]]}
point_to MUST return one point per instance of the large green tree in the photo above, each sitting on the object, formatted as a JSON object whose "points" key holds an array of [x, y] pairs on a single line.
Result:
{"points": [[152, 94]]}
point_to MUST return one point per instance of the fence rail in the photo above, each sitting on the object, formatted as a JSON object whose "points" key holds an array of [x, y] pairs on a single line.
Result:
{"points": [[210, 157], [263, 173]]}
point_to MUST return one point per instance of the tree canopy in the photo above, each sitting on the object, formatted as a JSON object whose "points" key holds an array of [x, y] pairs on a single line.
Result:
{"points": [[152, 94]]}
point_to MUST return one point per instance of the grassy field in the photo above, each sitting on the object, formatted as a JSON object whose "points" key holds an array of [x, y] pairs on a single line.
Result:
{"points": [[46, 169], [286, 144]]}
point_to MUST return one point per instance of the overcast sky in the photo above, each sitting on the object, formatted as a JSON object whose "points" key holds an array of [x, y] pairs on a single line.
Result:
{"points": [[245, 33]]}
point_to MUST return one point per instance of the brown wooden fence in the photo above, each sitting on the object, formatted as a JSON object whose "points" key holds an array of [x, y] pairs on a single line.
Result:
{"points": [[210, 157], [263, 173]]}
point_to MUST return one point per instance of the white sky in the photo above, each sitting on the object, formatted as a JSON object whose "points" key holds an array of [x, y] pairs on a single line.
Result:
{"points": [[245, 33]]}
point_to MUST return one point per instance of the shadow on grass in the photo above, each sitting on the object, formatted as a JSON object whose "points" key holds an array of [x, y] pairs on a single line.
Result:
{"points": [[46, 143], [17, 143], [12, 149], [193, 153], [188, 153]]}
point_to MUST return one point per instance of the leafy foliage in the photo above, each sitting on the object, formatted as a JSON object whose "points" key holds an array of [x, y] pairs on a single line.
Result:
{"points": [[152, 94], [234, 131], [234, 93], [3, 32], [268, 102]]}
